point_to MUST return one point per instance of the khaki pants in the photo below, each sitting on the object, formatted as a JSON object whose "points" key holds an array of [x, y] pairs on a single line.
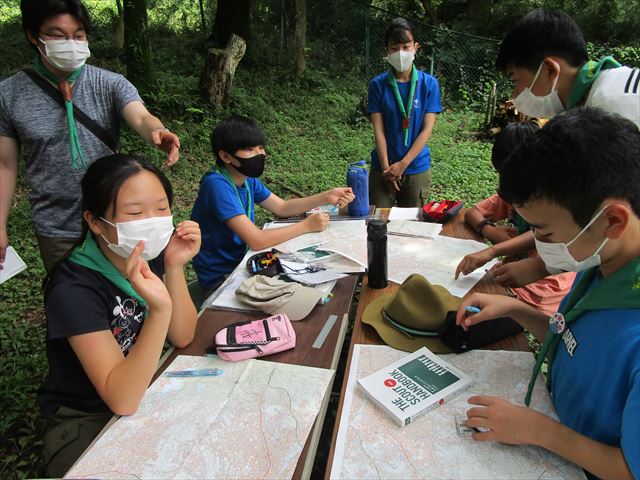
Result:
{"points": [[414, 190], [67, 435], [53, 249]]}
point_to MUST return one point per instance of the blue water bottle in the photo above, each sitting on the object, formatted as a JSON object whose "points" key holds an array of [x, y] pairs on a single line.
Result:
{"points": [[358, 180]]}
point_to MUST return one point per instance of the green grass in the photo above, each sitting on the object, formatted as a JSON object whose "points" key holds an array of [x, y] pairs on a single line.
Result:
{"points": [[315, 128]]}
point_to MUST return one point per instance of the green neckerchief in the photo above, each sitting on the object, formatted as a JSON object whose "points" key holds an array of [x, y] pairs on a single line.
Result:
{"points": [[520, 223], [65, 84], [223, 171], [406, 111], [89, 255], [586, 76], [617, 291]]}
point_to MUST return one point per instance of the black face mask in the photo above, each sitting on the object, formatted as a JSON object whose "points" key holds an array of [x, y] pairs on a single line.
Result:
{"points": [[252, 166]]}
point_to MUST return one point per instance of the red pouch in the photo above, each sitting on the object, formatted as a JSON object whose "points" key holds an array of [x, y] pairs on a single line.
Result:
{"points": [[440, 212]]}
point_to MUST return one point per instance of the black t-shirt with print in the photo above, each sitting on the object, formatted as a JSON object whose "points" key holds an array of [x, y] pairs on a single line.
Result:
{"points": [[79, 300]]}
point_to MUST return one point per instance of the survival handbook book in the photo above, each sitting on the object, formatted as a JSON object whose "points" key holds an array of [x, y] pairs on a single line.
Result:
{"points": [[410, 387]]}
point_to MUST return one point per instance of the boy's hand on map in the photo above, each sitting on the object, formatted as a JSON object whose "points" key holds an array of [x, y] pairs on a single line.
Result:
{"points": [[473, 261], [316, 222], [491, 306], [504, 421]]}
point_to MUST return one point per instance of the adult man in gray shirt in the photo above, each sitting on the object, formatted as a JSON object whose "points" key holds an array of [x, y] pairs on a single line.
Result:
{"points": [[57, 147]]}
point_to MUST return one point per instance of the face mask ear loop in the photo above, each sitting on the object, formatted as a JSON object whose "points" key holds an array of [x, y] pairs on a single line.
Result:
{"points": [[553, 87], [591, 222], [535, 77]]}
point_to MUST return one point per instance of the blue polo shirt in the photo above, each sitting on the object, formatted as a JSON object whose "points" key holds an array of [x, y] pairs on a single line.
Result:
{"points": [[595, 379], [222, 249], [382, 100]]}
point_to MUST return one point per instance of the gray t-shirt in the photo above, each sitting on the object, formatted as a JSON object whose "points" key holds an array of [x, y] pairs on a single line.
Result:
{"points": [[30, 116]]}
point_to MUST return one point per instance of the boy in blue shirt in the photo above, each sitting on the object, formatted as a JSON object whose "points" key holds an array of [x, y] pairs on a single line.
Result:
{"points": [[576, 183], [226, 203]]}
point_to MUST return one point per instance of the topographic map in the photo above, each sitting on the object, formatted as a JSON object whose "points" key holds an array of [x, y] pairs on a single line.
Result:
{"points": [[435, 258], [250, 422], [370, 445]]}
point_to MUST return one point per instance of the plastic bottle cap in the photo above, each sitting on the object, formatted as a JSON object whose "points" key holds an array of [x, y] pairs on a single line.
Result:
{"points": [[377, 228]]}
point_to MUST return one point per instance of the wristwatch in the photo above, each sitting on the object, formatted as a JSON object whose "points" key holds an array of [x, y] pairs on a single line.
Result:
{"points": [[482, 223]]}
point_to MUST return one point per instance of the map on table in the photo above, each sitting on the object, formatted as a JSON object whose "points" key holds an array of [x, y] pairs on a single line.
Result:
{"points": [[435, 258], [348, 238], [250, 422], [370, 445]]}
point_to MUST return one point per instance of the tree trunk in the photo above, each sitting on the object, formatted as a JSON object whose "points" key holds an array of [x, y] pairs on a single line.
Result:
{"points": [[137, 50], [300, 35], [431, 11], [219, 68], [232, 16]]}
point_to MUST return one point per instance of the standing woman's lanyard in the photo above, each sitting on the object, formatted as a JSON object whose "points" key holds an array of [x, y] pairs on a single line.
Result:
{"points": [[227, 177], [405, 111]]}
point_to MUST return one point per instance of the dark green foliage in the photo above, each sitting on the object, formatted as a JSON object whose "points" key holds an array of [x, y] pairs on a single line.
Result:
{"points": [[315, 125]]}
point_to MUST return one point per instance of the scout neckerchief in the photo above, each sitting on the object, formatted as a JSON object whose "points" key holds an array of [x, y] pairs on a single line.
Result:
{"points": [[249, 208], [89, 255], [520, 224], [586, 76], [65, 84], [617, 291], [405, 111]]}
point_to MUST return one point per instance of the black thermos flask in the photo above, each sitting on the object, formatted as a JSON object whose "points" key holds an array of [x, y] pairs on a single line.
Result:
{"points": [[377, 253]]}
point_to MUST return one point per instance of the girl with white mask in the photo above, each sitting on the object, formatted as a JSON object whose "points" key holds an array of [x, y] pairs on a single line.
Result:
{"points": [[403, 104], [112, 301]]}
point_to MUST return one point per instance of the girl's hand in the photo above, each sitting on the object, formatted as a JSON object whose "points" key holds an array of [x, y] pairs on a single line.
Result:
{"points": [[520, 273], [392, 183], [473, 261], [340, 196], [395, 170], [491, 306], [508, 423], [184, 244], [146, 283], [316, 222], [498, 234]]}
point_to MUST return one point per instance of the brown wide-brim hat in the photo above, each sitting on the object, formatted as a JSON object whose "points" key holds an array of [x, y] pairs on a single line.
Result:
{"points": [[409, 318]]}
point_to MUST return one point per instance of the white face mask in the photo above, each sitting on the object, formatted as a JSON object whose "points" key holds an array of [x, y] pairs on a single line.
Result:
{"points": [[539, 107], [155, 231], [401, 60], [66, 55], [558, 257]]}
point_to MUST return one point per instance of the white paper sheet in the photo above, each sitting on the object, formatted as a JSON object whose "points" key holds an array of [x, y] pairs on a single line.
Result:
{"points": [[399, 213], [12, 265]]}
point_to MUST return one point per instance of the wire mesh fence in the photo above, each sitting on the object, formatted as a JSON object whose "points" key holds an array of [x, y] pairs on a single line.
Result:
{"points": [[348, 37]]}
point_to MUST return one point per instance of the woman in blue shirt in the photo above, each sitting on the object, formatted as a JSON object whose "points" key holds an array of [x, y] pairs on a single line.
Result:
{"points": [[402, 106]]}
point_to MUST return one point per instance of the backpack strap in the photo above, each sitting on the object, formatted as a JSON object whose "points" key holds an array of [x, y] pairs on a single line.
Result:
{"points": [[79, 115]]}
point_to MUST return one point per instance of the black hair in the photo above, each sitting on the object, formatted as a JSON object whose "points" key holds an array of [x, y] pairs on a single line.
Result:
{"points": [[101, 184], [235, 133], [508, 139], [577, 161], [539, 34], [104, 178], [35, 12], [399, 31]]}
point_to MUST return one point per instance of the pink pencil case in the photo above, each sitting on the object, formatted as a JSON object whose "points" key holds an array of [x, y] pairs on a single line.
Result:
{"points": [[255, 338]]}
